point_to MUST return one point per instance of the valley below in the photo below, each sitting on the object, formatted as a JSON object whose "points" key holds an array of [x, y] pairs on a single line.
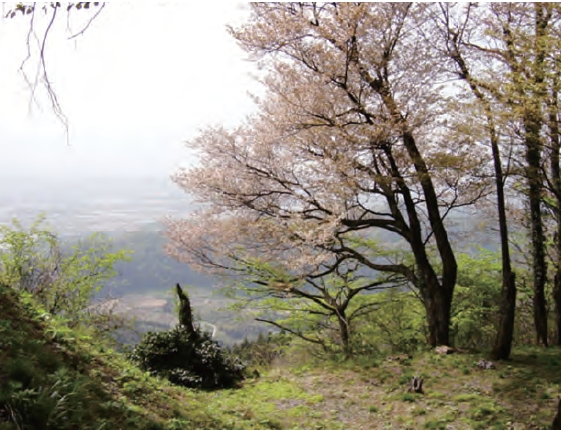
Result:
{"points": [[130, 212]]}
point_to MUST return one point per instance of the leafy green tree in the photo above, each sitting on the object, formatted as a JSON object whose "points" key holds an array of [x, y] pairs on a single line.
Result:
{"points": [[320, 309], [452, 27], [476, 306], [398, 324], [63, 277], [508, 54]]}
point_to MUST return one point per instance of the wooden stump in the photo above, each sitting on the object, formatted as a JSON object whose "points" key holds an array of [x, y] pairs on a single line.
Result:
{"points": [[416, 385]]}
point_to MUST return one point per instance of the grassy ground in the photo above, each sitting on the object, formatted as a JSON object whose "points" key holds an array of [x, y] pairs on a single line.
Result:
{"points": [[458, 395], [51, 377]]}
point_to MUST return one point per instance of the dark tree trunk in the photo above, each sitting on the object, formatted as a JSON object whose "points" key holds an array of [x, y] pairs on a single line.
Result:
{"points": [[533, 122], [505, 332], [539, 265], [438, 307], [507, 309], [555, 185], [557, 301], [437, 293], [344, 332]]}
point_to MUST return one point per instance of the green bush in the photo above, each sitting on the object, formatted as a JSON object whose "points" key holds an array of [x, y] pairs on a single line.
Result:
{"points": [[262, 351], [192, 361], [397, 325], [476, 300], [62, 277]]}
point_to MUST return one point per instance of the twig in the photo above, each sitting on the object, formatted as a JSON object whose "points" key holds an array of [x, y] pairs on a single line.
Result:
{"points": [[88, 23]]}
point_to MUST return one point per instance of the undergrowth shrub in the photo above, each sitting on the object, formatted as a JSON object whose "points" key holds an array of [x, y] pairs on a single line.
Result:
{"points": [[476, 300], [191, 361], [397, 325], [263, 351]]}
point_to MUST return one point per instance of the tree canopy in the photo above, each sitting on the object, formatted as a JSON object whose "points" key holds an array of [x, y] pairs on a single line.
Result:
{"points": [[378, 117]]}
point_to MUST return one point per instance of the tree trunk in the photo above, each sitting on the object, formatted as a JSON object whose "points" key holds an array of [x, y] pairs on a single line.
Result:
{"points": [[533, 121], [555, 173], [437, 293], [344, 332], [437, 306], [557, 301], [539, 265], [505, 331]]}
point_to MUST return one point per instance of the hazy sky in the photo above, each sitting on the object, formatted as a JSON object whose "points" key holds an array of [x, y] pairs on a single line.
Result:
{"points": [[141, 80]]}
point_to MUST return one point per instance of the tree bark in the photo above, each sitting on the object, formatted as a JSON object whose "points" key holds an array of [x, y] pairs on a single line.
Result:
{"points": [[557, 301], [507, 310], [555, 185], [534, 146], [533, 159], [437, 306], [344, 332], [437, 294]]}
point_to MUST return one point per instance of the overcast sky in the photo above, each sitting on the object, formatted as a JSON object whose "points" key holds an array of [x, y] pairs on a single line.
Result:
{"points": [[141, 80]]}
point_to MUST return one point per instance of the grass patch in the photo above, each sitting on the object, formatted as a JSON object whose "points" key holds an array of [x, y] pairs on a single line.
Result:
{"points": [[435, 424], [418, 411], [409, 397], [465, 398]]}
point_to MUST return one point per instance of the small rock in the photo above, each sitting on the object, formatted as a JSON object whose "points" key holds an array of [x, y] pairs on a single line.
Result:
{"points": [[399, 358], [444, 350], [486, 365]]}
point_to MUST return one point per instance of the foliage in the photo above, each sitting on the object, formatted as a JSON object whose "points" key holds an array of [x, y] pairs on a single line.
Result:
{"points": [[195, 362], [476, 302], [319, 310], [27, 9], [263, 351], [397, 324], [62, 277]]}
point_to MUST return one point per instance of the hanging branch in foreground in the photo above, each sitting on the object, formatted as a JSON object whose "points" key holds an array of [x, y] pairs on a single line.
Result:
{"points": [[36, 41]]}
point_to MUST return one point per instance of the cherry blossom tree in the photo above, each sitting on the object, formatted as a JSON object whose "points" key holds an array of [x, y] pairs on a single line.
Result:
{"points": [[354, 140]]}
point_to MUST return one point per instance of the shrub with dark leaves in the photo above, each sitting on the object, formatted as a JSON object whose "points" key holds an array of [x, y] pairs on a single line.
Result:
{"points": [[195, 361]]}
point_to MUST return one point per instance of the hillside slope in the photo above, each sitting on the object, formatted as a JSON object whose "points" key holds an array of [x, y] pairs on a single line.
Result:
{"points": [[52, 377], [56, 378]]}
